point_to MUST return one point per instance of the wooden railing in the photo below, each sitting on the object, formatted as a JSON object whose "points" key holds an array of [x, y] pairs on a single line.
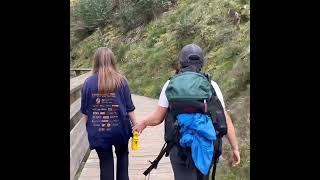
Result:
{"points": [[79, 144], [76, 85], [79, 71]]}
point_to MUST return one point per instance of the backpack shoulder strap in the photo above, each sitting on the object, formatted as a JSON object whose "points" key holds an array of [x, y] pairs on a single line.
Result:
{"points": [[211, 87], [207, 76]]}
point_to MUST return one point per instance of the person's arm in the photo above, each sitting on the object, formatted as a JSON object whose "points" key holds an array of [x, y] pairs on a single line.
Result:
{"points": [[153, 119], [231, 132], [232, 138], [129, 103], [133, 118], [157, 116]]}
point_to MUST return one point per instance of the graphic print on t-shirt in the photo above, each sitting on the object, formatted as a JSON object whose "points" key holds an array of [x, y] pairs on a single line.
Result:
{"points": [[105, 112]]}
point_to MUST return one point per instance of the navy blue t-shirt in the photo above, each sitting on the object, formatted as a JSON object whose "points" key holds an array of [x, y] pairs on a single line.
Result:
{"points": [[108, 121]]}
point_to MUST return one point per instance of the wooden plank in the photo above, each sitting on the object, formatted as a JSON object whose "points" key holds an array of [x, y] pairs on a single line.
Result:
{"points": [[77, 82], [75, 114], [78, 135], [75, 108], [80, 69], [78, 146], [75, 95]]}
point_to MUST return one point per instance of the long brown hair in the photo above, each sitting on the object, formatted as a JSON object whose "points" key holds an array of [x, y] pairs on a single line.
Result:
{"points": [[104, 65]]}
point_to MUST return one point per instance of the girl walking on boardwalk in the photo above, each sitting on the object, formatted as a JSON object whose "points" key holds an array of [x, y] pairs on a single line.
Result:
{"points": [[107, 105]]}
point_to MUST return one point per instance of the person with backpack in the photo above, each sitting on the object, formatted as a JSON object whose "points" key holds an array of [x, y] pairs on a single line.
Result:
{"points": [[193, 108], [107, 105]]}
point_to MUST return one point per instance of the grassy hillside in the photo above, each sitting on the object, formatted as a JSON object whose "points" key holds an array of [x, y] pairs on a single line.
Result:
{"points": [[147, 55]]}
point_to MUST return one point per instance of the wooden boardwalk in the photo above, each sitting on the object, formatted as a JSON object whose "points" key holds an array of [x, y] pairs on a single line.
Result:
{"points": [[151, 142]]}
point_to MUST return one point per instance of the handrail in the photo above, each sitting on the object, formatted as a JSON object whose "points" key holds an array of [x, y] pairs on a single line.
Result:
{"points": [[75, 114], [79, 144], [79, 70], [76, 84], [78, 81]]}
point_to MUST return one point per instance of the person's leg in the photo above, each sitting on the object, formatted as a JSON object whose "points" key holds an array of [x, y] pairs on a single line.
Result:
{"points": [[106, 163], [122, 162], [180, 170]]}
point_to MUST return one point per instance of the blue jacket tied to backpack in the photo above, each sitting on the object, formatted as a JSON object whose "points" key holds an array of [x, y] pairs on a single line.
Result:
{"points": [[197, 132]]}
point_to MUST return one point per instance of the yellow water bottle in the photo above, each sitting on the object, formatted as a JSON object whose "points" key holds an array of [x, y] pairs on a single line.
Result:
{"points": [[135, 141]]}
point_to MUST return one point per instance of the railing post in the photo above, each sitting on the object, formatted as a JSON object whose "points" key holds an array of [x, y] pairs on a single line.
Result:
{"points": [[77, 72]]}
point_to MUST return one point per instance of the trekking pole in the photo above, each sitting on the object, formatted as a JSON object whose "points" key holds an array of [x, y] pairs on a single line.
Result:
{"points": [[155, 163]]}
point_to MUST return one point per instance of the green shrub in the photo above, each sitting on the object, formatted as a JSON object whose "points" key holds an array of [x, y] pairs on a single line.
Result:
{"points": [[77, 29], [120, 51], [135, 14], [94, 13]]}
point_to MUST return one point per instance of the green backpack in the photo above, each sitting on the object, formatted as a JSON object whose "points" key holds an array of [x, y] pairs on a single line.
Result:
{"points": [[188, 86]]}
